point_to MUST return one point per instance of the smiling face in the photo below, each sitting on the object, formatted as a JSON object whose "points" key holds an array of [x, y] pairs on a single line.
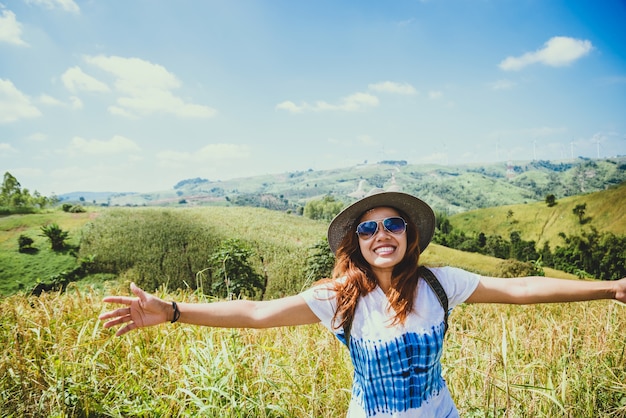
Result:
{"points": [[384, 250]]}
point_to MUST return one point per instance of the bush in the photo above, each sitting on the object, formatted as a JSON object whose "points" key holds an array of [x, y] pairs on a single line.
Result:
{"points": [[25, 243], [68, 207], [514, 268], [320, 263], [231, 271], [161, 246], [56, 236]]}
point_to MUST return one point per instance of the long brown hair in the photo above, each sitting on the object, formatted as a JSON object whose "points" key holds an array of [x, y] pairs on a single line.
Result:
{"points": [[360, 278]]}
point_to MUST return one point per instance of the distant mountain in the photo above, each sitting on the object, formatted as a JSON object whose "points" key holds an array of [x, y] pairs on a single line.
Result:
{"points": [[452, 189], [91, 197]]}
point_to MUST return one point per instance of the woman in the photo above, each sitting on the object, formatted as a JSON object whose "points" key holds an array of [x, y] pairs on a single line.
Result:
{"points": [[392, 321]]}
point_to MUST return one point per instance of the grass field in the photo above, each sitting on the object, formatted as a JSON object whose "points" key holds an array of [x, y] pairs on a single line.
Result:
{"points": [[20, 271], [500, 361], [536, 221], [529, 361]]}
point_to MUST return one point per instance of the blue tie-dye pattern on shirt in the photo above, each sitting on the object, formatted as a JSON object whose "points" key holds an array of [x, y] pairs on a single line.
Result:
{"points": [[397, 375]]}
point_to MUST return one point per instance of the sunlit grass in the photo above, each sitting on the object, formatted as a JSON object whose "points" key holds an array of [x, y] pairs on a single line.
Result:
{"points": [[536, 221], [500, 361], [528, 361]]}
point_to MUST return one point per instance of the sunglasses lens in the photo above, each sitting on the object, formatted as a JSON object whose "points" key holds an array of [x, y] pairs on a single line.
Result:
{"points": [[367, 229], [395, 225]]}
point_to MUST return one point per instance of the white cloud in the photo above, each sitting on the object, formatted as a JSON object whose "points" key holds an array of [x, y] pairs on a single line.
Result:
{"points": [[116, 145], [354, 102], [66, 5], [10, 29], [290, 107], [407, 22], [557, 52], [435, 94], [38, 136], [74, 102], [146, 89], [6, 149], [392, 87], [222, 154], [502, 85], [74, 79], [49, 100], [14, 104]]}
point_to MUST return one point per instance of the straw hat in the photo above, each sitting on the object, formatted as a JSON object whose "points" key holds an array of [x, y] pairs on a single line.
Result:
{"points": [[418, 211]]}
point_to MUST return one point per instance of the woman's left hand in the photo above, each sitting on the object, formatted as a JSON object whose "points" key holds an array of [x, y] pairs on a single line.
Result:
{"points": [[143, 311]]}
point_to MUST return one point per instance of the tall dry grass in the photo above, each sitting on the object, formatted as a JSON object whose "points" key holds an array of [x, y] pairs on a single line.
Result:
{"points": [[500, 361]]}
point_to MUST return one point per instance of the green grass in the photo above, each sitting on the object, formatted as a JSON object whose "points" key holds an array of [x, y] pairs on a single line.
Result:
{"points": [[58, 361], [20, 271], [536, 221], [528, 361]]}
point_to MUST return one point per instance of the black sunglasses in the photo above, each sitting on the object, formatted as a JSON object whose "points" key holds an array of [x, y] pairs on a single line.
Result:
{"points": [[395, 225]]}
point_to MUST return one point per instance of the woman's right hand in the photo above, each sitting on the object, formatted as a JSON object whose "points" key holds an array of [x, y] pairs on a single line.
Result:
{"points": [[144, 310]]}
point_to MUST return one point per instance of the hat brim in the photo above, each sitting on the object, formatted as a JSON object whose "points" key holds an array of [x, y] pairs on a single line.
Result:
{"points": [[418, 211]]}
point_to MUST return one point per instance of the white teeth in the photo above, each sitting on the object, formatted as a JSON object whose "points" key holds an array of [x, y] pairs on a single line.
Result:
{"points": [[384, 250]]}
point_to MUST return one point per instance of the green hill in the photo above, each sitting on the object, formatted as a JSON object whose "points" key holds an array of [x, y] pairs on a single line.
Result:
{"points": [[536, 221], [266, 230], [449, 189]]}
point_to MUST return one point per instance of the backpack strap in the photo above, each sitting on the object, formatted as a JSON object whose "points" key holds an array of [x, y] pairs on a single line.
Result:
{"points": [[347, 328], [439, 291], [436, 287]]}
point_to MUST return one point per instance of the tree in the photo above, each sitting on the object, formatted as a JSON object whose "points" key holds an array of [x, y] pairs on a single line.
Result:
{"points": [[550, 200], [56, 235], [10, 186], [15, 198], [231, 271], [320, 263], [579, 210], [324, 209], [443, 223]]}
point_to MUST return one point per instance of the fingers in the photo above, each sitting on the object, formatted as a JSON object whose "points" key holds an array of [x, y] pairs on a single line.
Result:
{"points": [[117, 321], [122, 315], [143, 296], [125, 329], [126, 300], [115, 313]]}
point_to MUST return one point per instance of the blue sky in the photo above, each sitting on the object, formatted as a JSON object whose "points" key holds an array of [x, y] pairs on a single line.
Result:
{"points": [[136, 95]]}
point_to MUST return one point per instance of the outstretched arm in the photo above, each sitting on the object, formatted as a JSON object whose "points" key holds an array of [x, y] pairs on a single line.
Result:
{"points": [[537, 289], [146, 310]]}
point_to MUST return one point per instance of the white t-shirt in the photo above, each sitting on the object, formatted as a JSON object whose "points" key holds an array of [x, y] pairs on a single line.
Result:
{"points": [[397, 370]]}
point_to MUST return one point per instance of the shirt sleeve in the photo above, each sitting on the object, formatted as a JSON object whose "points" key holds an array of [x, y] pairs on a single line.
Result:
{"points": [[459, 284], [322, 301]]}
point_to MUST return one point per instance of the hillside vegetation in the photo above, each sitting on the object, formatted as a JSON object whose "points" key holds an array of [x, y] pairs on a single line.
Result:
{"points": [[449, 189], [538, 222], [517, 361], [140, 241], [21, 270], [57, 360]]}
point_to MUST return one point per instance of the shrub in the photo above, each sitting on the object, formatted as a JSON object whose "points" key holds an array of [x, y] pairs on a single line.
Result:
{"points": [[320, 263], [56, 236], [25, 243], [162, 247], [514, 268], [231, 271]]}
